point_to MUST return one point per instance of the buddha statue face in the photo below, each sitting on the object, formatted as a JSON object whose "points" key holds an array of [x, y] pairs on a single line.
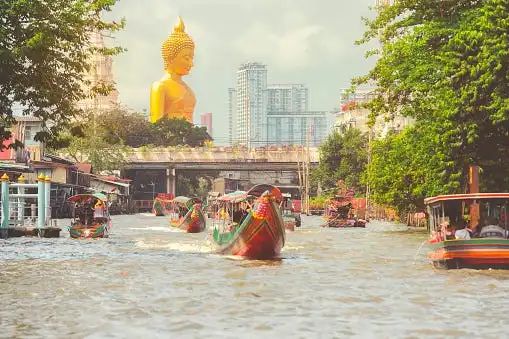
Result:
{"points": [[182, 63], [178, 51]]}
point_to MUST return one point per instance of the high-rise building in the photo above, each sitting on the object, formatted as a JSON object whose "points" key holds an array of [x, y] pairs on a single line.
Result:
{"points": [[232, 116], [251, 115], [206, 121], [100, 74], [353, 114], [275, 114], [297, 128], [287, 98]]}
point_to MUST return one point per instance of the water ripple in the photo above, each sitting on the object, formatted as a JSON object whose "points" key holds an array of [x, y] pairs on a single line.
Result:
{"points": [[149, 280]]}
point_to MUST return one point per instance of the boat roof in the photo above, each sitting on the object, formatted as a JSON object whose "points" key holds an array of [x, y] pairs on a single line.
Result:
{"points": [[188, 202], [468, 196], [81, 197], [259, 190], [234, 197]]}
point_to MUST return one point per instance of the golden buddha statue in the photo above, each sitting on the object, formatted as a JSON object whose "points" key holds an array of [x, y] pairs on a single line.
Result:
{"points": [[170, 97]]}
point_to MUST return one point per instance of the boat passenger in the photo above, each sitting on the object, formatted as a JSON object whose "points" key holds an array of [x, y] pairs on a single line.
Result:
{"points": [[99, 210], [237, 215], [244, 209], [223, 214], [466, 233], [492, 230]]}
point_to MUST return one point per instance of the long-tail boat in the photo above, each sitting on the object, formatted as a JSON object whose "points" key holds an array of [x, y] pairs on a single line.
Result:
{"points": [[254, 231], [162, 204], [339, 212], [187, 214], [91, 218], [290, 218], [469, 230]]}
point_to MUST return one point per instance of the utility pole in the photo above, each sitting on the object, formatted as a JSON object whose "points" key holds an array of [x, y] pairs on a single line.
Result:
{"points": [[300, 174], [308, 137], [366, 213]]}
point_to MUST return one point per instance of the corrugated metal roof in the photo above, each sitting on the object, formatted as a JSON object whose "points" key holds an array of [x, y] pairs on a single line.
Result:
{"points": [[28, 118]]}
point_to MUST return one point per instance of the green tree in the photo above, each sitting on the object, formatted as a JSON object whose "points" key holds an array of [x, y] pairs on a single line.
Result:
{"points": [[102, 155], [342, 156], [44, 52], [192, 185], [446, 64], [173, 132], [134, 130]]}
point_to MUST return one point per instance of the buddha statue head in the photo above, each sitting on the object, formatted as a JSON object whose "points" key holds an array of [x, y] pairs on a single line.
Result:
{"points": [[178, 51]]}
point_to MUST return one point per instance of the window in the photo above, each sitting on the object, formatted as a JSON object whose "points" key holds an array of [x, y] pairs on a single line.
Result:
{"points": [[28, 133]]}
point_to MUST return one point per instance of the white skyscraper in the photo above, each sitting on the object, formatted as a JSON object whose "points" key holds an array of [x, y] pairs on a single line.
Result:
{"points": [[251, 115], [287, 98], [232, 115], [278, 114]]}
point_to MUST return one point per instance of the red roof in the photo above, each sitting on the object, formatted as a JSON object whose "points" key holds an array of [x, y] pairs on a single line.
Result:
{"points": [[469, 196], [84, 167]]}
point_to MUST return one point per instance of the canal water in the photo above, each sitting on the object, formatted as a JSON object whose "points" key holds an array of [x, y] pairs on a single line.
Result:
{"points": [[149, 281]]}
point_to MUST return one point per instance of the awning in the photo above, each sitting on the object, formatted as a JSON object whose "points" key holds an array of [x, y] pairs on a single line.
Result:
{"points": [[82, 197], [234, 197], [470, 196]]}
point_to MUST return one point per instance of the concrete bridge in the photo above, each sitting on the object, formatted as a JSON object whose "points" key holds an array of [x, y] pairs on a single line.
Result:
{"points": [[169, 161]]}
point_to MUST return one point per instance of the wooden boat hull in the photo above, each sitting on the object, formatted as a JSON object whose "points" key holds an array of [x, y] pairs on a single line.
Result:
{"points": [[81, 232], [193, 221], [260, 236], [474, 253], [345, 223]]}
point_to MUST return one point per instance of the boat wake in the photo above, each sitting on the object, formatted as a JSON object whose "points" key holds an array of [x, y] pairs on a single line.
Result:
{"points": [[158, 229], [148, 214], [178, 247], [419, 251]]}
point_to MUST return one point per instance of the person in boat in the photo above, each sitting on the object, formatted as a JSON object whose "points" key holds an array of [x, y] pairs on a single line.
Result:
{"points": [[448, 230], [99, 210], [223, 214], [466, 233], [244, 211], [182, 211], [81, 213], [237, 215], [492, 229]]}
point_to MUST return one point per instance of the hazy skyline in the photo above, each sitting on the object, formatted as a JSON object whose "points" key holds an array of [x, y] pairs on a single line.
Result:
{"points": [[299, 41]]}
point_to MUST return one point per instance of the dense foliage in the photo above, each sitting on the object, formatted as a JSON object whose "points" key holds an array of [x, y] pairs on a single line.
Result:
{"points": [[342, 156], [135, 130], [45, 50], [446, 64], [106, 139]]}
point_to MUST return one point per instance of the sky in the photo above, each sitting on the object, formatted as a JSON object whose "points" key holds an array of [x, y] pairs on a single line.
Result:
{"points": [[301, 41]]}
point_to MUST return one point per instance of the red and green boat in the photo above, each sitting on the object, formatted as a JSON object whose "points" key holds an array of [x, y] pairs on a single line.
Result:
{"points": [[162, 204], [249, 224], [469, 230], [91, 218], [186, 214]]}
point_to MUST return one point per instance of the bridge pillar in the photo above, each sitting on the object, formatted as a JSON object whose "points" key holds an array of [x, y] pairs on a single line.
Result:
{"points": [[170, 181]]}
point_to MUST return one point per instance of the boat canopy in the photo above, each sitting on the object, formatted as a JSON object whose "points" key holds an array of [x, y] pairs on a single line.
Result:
{"points": [[83, 197], [258, 190], [188, 202], [470, 196], [234, 197]]}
